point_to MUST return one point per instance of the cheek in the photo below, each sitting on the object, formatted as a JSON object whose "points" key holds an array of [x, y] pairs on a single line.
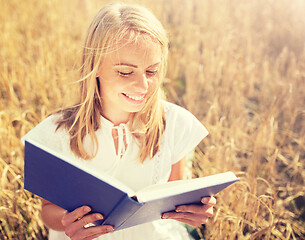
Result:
{"points": [[107, 89], [154, 84], [152, 88]]}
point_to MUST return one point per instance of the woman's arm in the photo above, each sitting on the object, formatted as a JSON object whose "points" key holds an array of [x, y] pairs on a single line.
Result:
{"points": [[194, 215], [177, 172], [51, 215]]}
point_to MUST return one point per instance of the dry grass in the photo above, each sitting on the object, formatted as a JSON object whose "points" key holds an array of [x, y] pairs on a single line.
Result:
{"points": [[239, 66]]}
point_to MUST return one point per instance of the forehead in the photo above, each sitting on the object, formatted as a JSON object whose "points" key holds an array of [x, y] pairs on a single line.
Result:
{"points": [[142, 50]]}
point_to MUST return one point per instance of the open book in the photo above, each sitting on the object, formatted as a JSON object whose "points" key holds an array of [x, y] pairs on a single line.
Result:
{"points": [[70, 185]]}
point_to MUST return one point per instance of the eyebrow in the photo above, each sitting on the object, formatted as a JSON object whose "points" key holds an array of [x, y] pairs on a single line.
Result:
{"points": [[134, 66]]}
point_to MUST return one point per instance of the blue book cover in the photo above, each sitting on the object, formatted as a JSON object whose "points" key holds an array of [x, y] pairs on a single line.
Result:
{"points": [[68, 185]]}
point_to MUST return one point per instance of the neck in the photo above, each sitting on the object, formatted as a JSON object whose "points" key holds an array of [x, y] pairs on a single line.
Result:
{"points": [[117, 119]]}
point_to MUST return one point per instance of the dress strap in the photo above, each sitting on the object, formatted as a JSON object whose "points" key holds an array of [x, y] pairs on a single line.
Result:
{"points": [[123, 139]]}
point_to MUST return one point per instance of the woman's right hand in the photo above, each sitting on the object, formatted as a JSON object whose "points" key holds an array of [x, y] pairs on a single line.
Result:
{"points": [[75, 222]]}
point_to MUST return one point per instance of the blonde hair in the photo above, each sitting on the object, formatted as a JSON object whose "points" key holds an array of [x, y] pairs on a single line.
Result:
{"points": [[113, 23]]}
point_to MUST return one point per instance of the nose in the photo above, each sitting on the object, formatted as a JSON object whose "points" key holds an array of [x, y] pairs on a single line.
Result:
{"points": [[142, 83]]}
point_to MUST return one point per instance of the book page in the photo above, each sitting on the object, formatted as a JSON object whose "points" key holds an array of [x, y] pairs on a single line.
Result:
{"points": [[81, 164], [159, 191]]}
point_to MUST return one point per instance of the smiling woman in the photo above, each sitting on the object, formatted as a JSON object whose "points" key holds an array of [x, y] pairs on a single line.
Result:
{"points": [[122, 127]]}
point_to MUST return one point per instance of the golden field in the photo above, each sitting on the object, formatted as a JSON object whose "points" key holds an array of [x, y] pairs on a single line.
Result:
{"points": [[239, 66]]}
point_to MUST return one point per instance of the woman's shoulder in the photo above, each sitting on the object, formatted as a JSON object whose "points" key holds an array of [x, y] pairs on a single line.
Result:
{"points": [[49, 124], [46, 131], [174, 112], [183, 131], [51, 120], [171, 108]]}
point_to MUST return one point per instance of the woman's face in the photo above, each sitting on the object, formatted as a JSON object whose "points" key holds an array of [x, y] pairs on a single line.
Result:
{"points": [[128, 76]]}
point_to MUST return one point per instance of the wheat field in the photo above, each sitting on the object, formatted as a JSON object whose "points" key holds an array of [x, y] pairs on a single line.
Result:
{"points": [[239, 66]]}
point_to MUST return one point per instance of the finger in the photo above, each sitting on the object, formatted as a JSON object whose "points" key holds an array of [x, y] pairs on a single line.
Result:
{"points": [[81, 223], [93, 237], [73, 216], [198, 209], [89, 233], [209, 200], [96, 236], [186, 216], [90, 219]]}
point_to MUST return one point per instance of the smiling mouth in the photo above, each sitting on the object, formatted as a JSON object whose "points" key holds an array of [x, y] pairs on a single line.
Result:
{"points": [[137, 98]]}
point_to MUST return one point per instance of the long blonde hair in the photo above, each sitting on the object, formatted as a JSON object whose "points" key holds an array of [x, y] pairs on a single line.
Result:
{"points": [[112, 23]]}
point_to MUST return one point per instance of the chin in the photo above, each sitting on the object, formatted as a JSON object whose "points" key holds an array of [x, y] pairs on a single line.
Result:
{"points": [[135, 109]]}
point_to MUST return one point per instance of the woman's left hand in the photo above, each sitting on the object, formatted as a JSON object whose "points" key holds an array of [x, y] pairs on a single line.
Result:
{"points": [[194, 215]]}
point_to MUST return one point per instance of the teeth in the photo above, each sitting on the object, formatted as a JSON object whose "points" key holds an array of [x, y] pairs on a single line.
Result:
{"points": [[137, 98]]}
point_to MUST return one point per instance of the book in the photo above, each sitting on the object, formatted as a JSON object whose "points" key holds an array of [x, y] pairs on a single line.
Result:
{"points": [[70, 185]]}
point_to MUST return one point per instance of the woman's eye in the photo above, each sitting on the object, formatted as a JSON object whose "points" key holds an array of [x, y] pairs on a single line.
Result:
{"points": [[151, 73], [124, 74]]}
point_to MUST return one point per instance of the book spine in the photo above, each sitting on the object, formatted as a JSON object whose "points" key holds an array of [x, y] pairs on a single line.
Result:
{"points": [[124, 209]]}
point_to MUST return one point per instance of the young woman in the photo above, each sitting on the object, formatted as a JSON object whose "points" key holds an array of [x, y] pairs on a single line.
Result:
{"points": [[122, 127]]}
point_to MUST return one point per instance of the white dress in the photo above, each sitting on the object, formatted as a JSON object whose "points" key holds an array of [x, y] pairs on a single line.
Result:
{"points": [[182, 133]]}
